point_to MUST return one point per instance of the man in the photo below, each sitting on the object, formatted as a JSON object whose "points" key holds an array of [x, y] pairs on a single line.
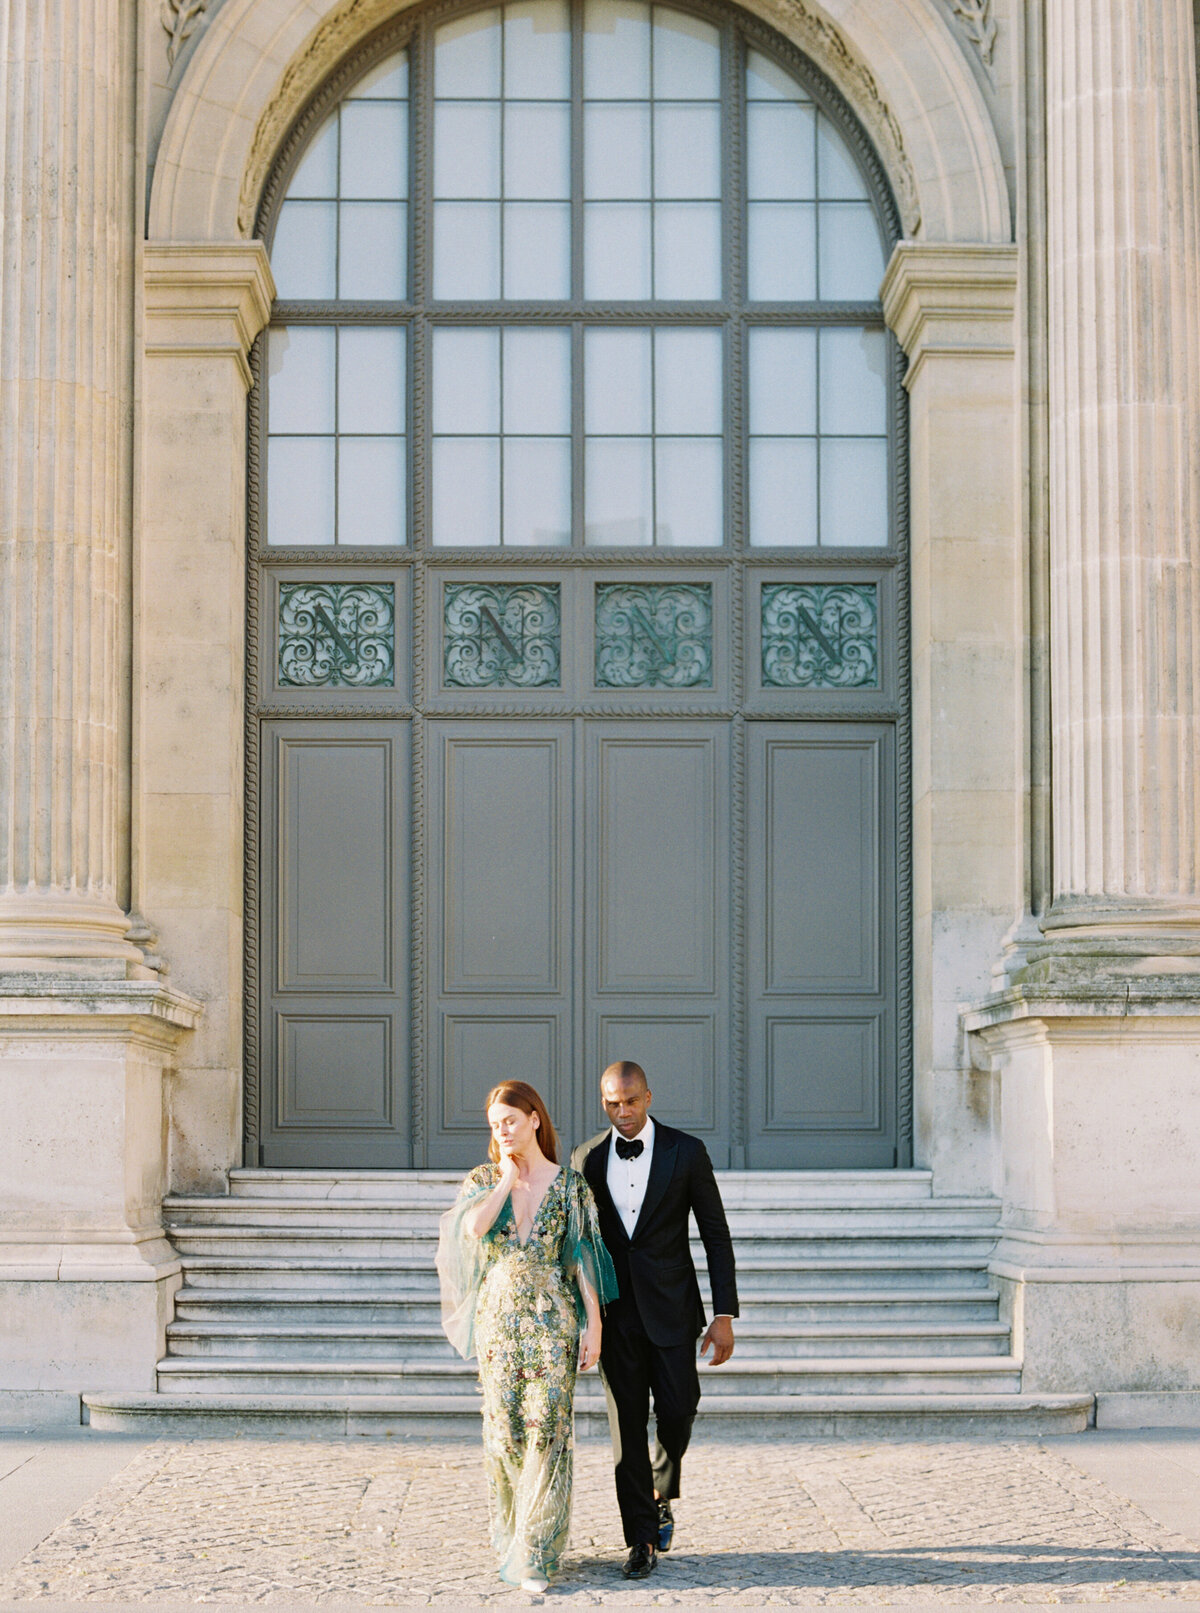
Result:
{"points": [[645, 1179]]}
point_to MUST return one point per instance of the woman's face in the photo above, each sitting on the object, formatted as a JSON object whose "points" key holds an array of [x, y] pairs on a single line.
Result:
{"points": [[513, 1129]]}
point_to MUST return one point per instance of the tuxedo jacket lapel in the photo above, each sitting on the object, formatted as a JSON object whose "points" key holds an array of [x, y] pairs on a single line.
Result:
{"points": [[662, 1167], [595, 1169]]}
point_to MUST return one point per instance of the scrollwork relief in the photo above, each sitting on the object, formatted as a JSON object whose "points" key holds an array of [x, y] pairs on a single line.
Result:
{"points": [[337, 635], [820, 636], [654, 636]]}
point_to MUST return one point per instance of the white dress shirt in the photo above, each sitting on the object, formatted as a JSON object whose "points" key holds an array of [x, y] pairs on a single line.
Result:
{"points": [[627, 1178]]}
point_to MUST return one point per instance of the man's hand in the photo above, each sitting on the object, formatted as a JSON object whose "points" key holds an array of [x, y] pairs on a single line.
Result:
{"points": [[719, 1339]]}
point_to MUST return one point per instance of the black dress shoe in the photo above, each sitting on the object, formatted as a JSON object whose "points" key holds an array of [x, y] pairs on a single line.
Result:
{"points": [[666, 1525], [641, 1562]]}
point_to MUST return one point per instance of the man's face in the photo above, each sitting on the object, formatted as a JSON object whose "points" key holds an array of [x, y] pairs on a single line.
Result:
{"points": [[625, 1103]]}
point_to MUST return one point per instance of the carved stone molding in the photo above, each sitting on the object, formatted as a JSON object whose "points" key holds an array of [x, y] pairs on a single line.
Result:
{"points": [[180, 18], [976, 21], [822, 42], [354, 20]]}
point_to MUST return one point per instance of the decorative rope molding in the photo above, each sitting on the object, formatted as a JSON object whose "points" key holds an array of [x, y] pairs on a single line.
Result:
{"points": [[355, 20], [977, 22], [820, 40], [180, 18]]}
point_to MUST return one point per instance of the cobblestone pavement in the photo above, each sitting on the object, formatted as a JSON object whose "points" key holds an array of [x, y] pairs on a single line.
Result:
{"points": [[381, 1523]]}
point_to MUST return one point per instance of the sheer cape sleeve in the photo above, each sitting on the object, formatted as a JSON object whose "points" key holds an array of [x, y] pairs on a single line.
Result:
{"points": [[462, 1260], [584, 1253]]}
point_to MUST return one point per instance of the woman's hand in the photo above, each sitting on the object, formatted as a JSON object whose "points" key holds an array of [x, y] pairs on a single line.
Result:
{"points": [[508, 1171], [589, 1344]]}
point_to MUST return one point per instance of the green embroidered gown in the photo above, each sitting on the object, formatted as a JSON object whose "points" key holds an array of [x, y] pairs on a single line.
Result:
{"points": [[518, 1308]]}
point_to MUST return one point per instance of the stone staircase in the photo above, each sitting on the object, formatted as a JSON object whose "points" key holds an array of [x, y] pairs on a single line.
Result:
{"points": [[310, 1304]]}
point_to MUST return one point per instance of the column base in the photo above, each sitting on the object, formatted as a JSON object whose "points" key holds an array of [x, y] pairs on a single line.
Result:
{"points": [[1098, 1262], [87, 1276], [68, 935]]}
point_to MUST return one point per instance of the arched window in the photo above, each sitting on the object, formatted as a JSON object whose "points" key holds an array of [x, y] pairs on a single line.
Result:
{"points": [[616, 261], [577, 596]]}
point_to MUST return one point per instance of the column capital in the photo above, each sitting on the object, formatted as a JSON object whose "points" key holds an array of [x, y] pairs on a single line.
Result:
{"points": [[207, 298], [953, 298]]}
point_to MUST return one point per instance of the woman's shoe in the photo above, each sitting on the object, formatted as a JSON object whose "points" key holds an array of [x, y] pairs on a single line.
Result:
{"points": [[666, 1525], [535, 1585]]}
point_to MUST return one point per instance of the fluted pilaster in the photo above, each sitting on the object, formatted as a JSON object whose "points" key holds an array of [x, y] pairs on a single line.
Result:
{"points": [[67, 234], [1124, 317]]}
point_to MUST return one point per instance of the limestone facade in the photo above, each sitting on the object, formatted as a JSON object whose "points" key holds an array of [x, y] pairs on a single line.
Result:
{"points": [[1046, 164]]}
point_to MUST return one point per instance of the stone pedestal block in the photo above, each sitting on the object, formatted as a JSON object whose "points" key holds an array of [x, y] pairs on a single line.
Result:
{"points": [[1099, 1254], [86, 1273]]}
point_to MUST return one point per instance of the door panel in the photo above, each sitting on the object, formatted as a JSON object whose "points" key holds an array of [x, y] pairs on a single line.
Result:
{"points": [[821, 945], [499, 883], [335, 968], [657, 909]]}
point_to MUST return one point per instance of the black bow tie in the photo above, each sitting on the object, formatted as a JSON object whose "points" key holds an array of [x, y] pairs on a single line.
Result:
{"points": [[629, 1150]]}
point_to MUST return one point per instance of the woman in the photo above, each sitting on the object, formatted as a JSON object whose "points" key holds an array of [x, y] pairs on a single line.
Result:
{"points": [[524, 1272]]}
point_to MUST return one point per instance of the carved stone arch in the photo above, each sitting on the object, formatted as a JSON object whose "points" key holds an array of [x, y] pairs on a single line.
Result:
{"points": [[898, 67]]}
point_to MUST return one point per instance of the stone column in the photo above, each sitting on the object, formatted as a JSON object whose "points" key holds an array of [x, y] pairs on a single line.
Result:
{"points": [[67, 238], [1124, 353], [1095, 1045]]}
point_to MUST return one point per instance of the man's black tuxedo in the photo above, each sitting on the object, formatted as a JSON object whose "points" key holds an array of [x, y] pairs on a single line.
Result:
{"points": [[650, 1330]]}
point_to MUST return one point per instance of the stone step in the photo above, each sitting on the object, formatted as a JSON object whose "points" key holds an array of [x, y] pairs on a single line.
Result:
{"points": [[756, 1278], [414, 1376], [354, 1310], [738, 1188], [780, 1245], [931, 1415], [387, 1341], [744, 1222]]}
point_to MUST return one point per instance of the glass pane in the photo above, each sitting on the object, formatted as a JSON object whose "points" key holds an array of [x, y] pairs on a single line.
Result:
{"points": [[300, 490], [371, 379], [687, 151], [317, 173], [616, 151], [467, 56], [537, 491], [466, 380], [466, 148], [689, 499], [537, 381], [304, 252], [853, 382], [537, 149], [466, 249], [838, 175], [767, 81], [616, 250], [616, 49], [854, 501], [371, 490], [537, 51], [781, 153], [782, 251], [851, 256], [687, 251], [783, 491], [372, 253], [388, 81], [688, 395], [300, 367], [618, 490], [537, 250], [783, 382], [466, 491], [617, 385], [687, 57], [375, 149]]}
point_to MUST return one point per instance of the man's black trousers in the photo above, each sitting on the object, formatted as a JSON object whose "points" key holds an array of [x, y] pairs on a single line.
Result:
{"points": [[633, 1369]]}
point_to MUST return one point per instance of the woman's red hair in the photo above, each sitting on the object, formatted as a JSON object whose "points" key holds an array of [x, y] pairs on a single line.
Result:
{"points": [[520, 1095]]}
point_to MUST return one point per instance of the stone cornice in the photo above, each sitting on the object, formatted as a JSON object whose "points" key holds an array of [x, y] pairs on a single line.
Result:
{"points": [[42, 1006], [955, 299], [207, 298]]}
